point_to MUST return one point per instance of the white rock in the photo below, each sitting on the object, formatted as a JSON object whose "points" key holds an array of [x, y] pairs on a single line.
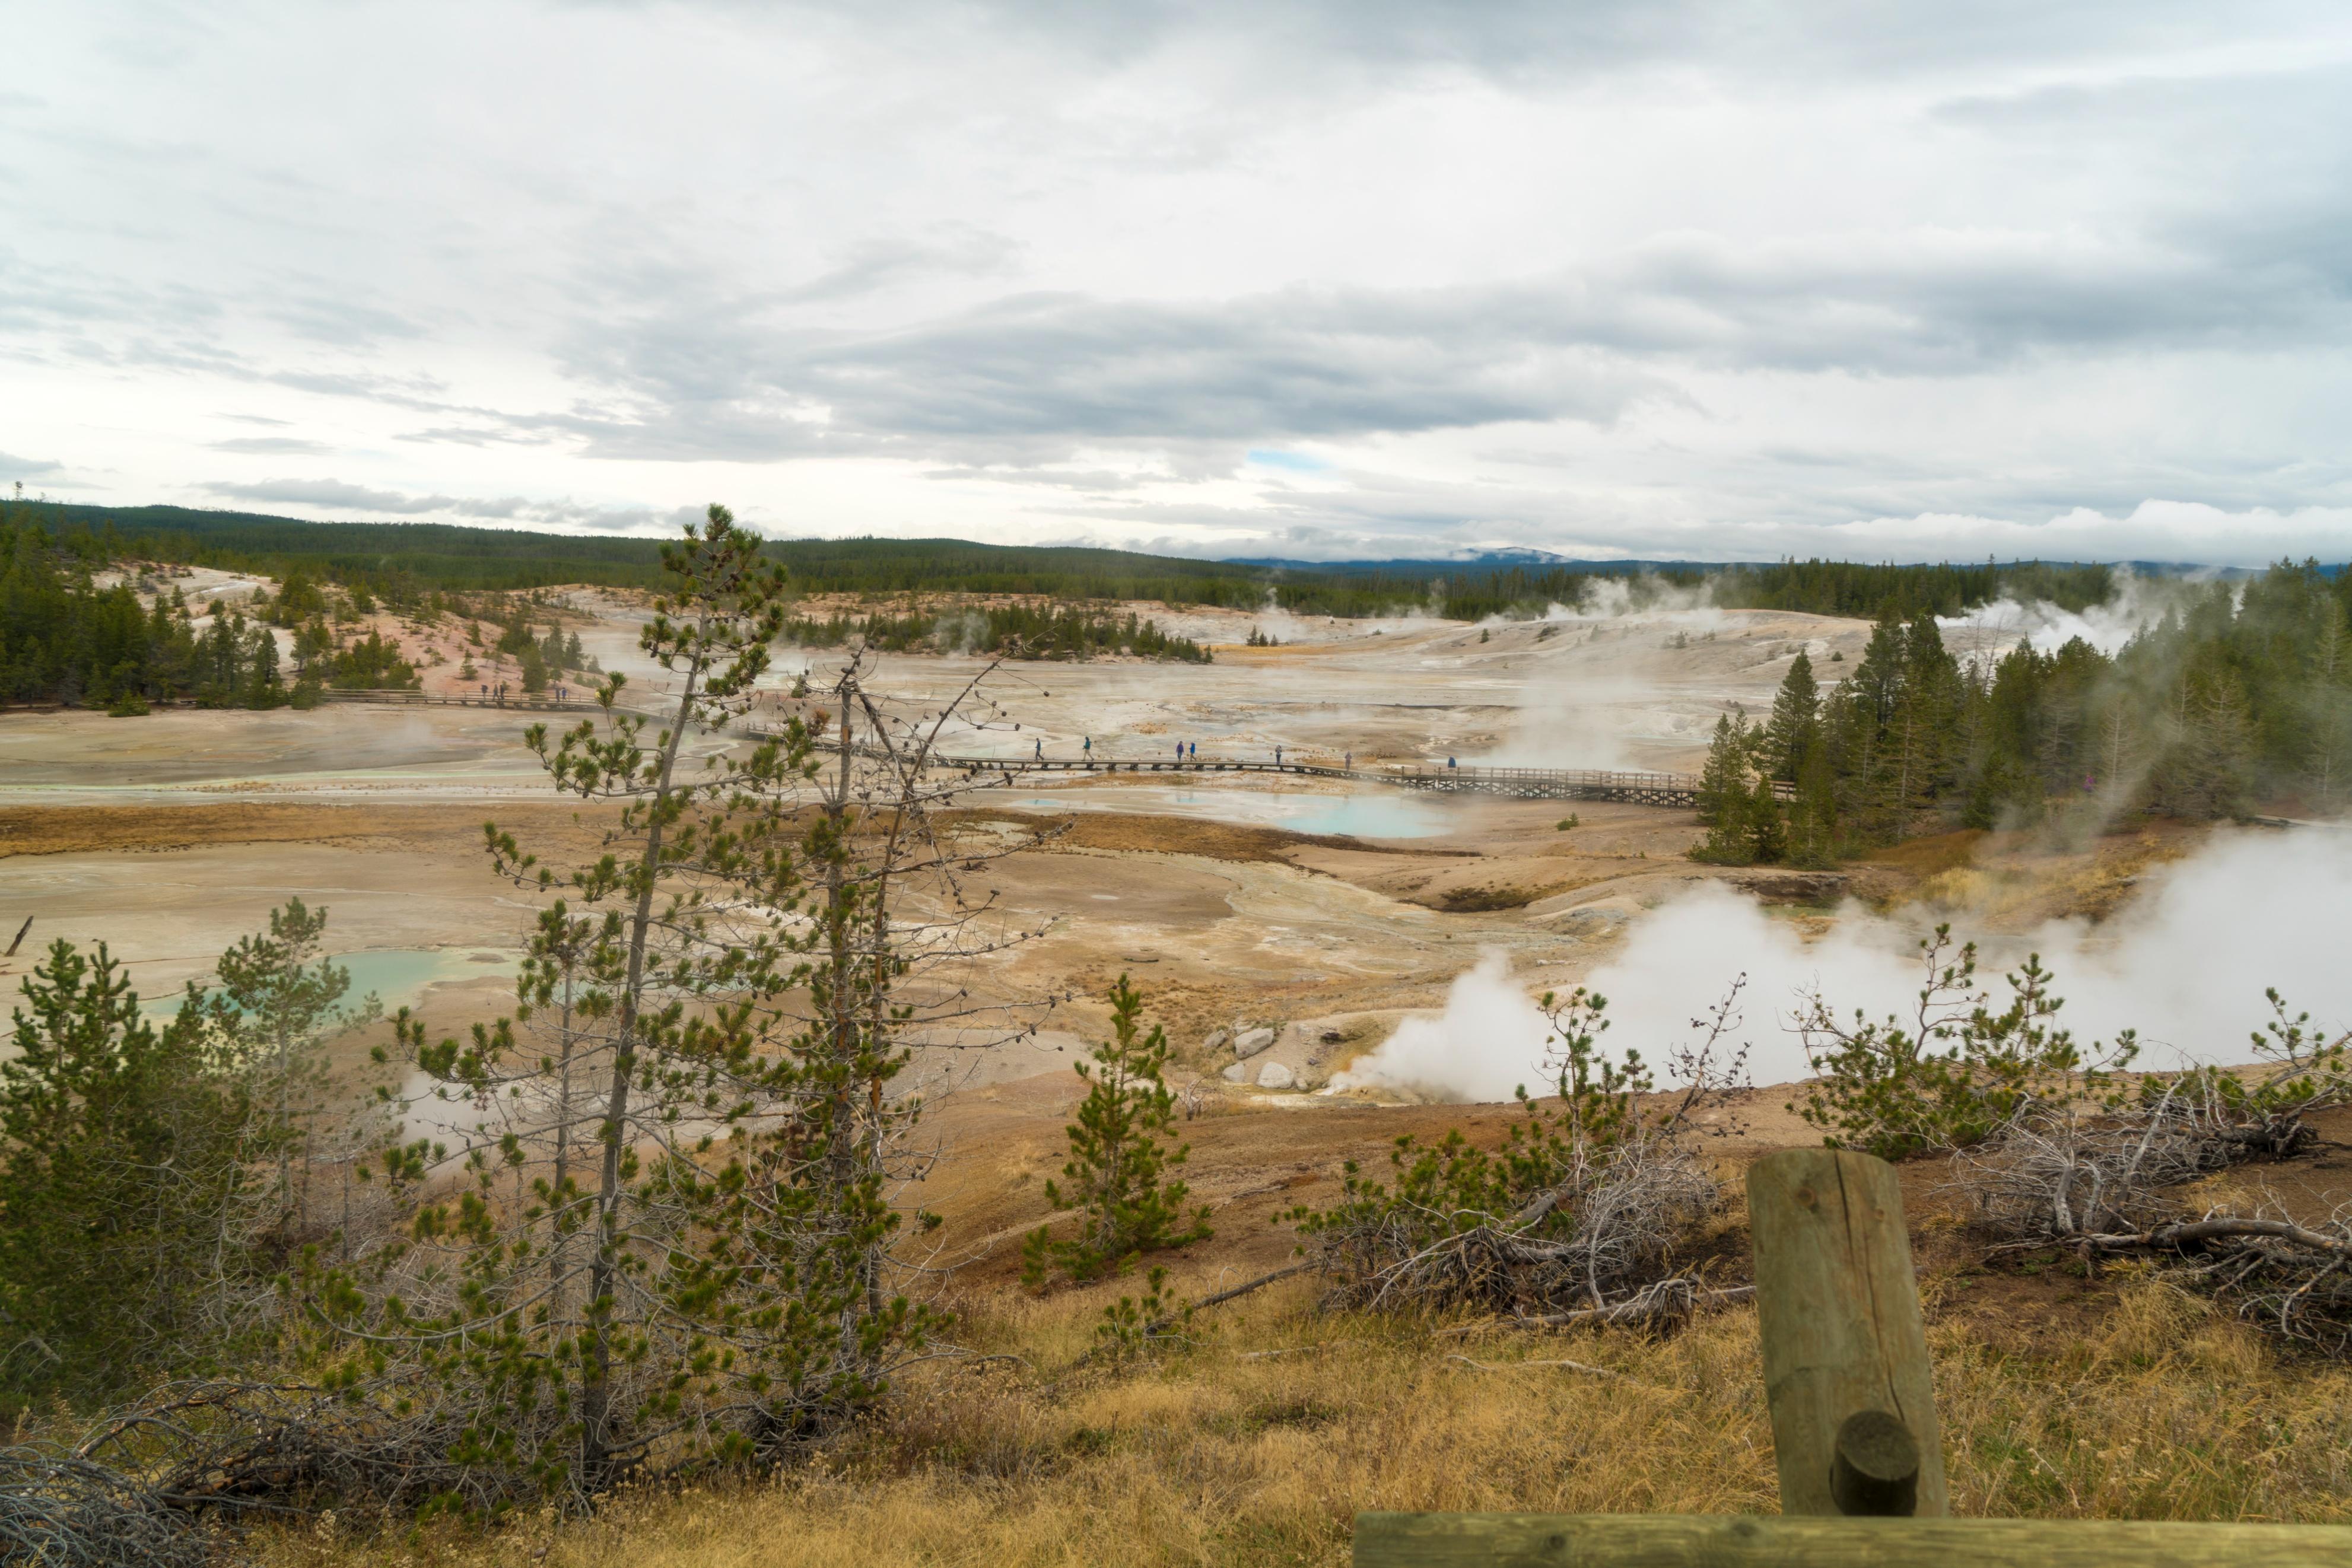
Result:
{"points": [[1236, 1072], [1250, 1044], [1274, 1075], [1217, 1037]]}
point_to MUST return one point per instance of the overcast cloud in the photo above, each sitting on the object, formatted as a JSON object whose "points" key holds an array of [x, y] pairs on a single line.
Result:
{"points": [[1356, 276]]}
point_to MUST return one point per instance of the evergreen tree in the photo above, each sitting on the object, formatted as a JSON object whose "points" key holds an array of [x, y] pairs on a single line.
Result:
{"points": [[122, 1171], [685, 1190], [1118, 1159], [1723, 781], [1812, 825], [1767, 831], [263, 686], [278, 1005], [1794, 730]]}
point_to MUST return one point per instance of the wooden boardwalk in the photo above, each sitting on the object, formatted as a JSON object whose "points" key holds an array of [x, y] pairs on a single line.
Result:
{"points": [[1670, 789], [1679, 790]]}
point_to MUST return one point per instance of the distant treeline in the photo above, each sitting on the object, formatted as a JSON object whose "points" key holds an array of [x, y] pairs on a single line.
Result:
{"points": [[1015, 631], [65, 639], [1846, 587], [2236, 696], [404, 563]]}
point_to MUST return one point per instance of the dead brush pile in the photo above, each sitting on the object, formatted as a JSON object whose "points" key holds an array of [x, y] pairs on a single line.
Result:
{"points": [[2107, 1180], [1593, 1205]]}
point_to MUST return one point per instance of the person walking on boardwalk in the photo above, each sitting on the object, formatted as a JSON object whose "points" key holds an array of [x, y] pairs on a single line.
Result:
{"points": [[1041, 748], [1090, 749], [1278, 754]]}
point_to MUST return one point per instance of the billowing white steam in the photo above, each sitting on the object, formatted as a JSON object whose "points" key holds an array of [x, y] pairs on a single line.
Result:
{"points": [[2137, 604], [2185, 966], [1590, 720], [1617, 598], [1581, 723], [1488, 1041]]}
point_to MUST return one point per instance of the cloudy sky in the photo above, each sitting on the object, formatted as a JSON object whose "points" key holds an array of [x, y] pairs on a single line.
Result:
{"points": [[1309, 277]]}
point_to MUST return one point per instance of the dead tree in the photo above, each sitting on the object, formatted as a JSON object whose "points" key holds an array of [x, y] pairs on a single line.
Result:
{"points": [[2106, 1180]]}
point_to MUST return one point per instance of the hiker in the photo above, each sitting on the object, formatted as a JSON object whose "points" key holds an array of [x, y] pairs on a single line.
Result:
{"points": [[1349, 765], [1278, 755], [1090, 749], [1041, 750], [1450, 762]]}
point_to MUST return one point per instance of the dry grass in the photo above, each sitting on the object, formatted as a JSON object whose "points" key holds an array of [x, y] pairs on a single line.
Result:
{"points": [[2159, 1410]]}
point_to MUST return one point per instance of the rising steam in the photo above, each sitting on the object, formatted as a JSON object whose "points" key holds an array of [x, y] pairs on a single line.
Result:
{"points": [[2185, 966], [2136, 604]]}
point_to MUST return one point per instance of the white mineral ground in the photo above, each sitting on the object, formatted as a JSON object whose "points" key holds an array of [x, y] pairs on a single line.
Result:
{"points": [[1335, 912]]}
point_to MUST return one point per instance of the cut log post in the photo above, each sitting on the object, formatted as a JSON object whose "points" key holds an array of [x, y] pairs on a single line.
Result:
{"points": [[1846, 1351]]}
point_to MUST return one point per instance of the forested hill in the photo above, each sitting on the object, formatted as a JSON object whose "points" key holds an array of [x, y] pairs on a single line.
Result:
{"points": [[400, 559]]}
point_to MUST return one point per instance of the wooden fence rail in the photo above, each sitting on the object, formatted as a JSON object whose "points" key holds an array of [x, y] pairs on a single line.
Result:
{"points": [[1703, 1540], [1854, 1434]]}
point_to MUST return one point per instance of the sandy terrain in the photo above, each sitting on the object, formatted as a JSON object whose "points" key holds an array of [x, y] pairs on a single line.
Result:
{"points": [[1328, 912]]}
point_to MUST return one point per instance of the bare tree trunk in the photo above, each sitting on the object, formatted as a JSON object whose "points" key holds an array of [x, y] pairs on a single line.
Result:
{"points": [[596, 1395]]}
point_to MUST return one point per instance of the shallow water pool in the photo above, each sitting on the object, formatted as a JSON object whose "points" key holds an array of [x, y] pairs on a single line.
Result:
{"points": [[1365, 814], [399, 976]]}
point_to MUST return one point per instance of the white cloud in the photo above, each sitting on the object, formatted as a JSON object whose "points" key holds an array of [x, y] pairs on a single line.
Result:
{"points": [[1617, 278]]}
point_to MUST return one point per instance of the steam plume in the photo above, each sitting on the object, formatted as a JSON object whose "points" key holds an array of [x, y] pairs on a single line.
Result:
{"points": [[2185, 966]]}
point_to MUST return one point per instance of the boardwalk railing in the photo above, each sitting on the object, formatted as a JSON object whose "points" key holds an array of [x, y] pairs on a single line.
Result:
{"points": [[1517, 783], [1671, 790]]}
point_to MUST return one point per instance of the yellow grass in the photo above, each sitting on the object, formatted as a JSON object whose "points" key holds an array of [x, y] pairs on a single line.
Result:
{"points": [[2161, 1410]]}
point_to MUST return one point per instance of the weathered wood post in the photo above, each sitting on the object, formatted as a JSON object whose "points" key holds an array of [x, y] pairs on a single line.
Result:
{"points": [[1853, 1429], [1846, 1351]]}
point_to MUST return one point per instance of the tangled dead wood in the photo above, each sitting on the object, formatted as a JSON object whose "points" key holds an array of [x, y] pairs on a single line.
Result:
{"points": [[60, 1509], [1610, 1222], [1590, 1206], [2109, 1185]]}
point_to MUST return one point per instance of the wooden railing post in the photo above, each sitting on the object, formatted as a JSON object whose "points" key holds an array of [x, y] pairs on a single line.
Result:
{"points": [[1845, 1349]]}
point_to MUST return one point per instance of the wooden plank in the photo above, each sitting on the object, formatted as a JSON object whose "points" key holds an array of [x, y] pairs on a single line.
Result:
{"points": [[1698, 1541], [1838, 1310]]}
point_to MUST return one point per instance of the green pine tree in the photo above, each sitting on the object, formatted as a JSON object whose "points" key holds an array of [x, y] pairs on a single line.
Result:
{"points": [[1794, 728], [1723, 781], [1118, 1158], [123, 1174], [1767, 831]]}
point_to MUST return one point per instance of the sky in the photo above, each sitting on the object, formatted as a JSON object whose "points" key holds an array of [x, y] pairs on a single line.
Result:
{"points": [[1315, 278]]}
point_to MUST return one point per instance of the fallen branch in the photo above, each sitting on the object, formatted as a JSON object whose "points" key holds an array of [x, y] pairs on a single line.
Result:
{"points": [[2192, 1233], [1651, 1304], [1158, 1327], [1222, 1297]]}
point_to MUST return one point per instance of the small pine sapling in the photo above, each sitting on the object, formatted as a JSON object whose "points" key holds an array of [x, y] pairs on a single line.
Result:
{"points": [[1118, 1158], [1132, 1327]]}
